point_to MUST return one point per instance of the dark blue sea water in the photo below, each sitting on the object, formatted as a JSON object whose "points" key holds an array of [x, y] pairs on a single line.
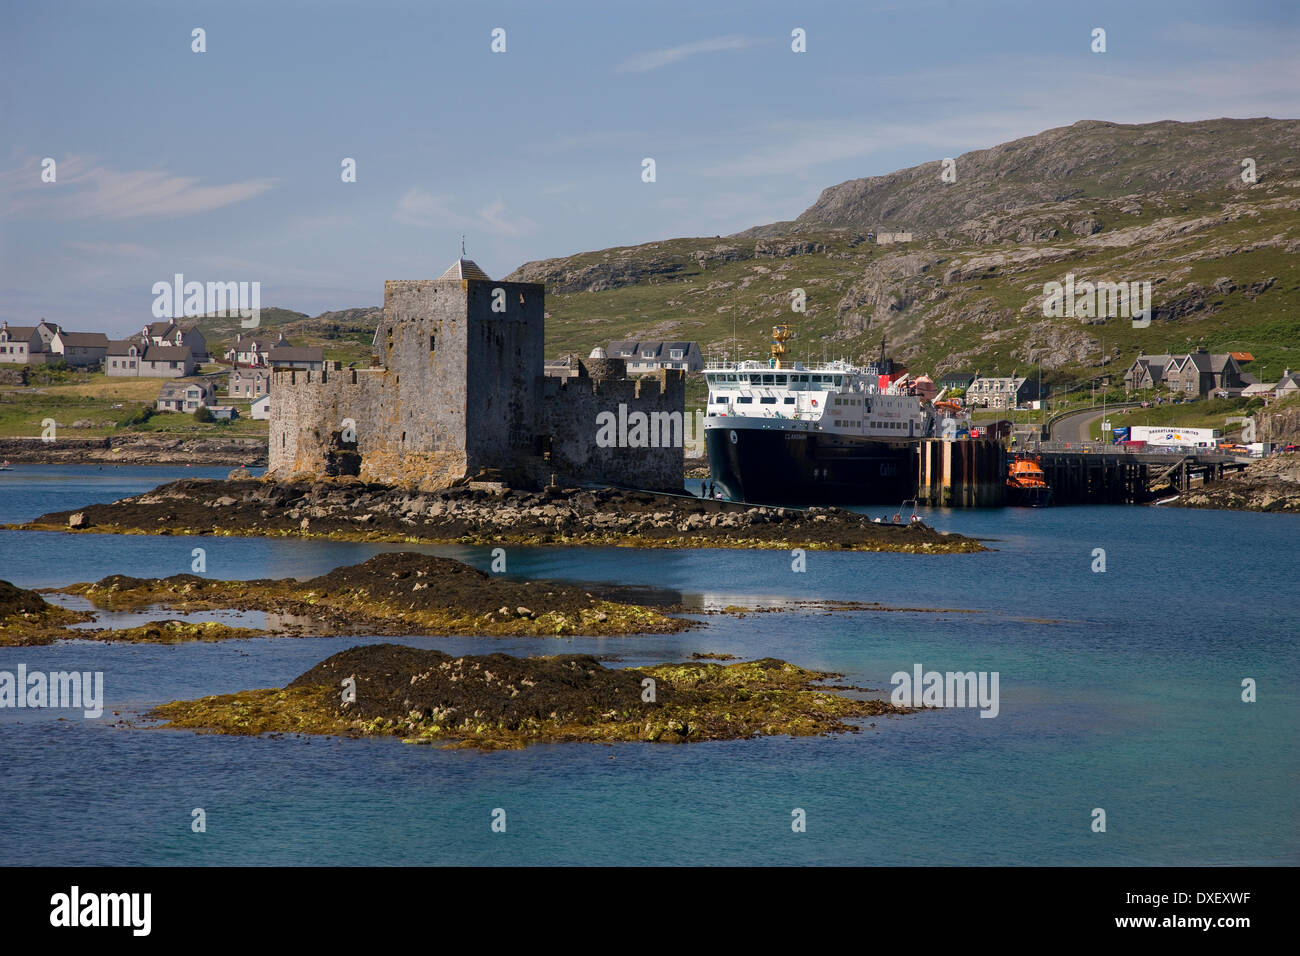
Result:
{"points": [[1118, 690]]}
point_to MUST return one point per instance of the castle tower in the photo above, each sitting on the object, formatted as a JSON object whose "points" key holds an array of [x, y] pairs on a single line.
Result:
{"points": [[461, 355]]}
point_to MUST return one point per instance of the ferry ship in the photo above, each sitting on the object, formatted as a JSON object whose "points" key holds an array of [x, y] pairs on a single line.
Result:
{"points": [[829, 433]]}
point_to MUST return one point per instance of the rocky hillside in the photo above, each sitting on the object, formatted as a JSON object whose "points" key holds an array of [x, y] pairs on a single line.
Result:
{"points": [[1161, 202], [1089, 160]]}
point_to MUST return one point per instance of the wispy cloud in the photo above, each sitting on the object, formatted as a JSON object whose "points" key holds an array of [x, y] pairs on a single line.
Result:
{"points": [[418, 207], [84, 190], [124, 250], [656, 59]]}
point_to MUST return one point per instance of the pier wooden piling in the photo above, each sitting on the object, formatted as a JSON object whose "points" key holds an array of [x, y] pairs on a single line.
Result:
{"points": [[961, 474]]}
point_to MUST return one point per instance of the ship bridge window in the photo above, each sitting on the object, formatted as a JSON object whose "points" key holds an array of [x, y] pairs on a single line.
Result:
{"points": [[744, 400], [768, 379], [719, 399], [789, 399], [767, 400]]}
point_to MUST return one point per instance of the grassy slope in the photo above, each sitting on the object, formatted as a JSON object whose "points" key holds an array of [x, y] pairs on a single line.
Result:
{"points": [[93, 397]]}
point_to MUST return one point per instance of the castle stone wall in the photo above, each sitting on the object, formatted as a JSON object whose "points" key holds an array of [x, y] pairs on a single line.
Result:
{"points": [[571, 419]]}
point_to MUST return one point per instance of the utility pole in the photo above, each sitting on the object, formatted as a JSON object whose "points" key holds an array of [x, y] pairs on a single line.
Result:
{"points": [[1100, 434], [735, 343]]}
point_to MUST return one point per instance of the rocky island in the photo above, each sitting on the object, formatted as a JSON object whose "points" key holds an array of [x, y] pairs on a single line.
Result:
{"points": [[394, 593], [353, 510], [497, 701]]}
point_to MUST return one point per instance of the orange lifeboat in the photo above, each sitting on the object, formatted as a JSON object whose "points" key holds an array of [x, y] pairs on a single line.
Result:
{"points": [[1027, 486]]}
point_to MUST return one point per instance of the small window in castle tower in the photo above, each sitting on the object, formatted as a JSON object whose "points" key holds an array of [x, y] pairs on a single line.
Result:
{"points": [[433, 344]]}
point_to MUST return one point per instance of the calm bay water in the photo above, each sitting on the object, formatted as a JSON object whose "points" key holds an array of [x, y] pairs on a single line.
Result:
{"points": [[1119, 690]]}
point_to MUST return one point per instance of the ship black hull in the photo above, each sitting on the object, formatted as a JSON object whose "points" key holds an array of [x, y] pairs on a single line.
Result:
{"points": [[1028, 497], [778, 467]]}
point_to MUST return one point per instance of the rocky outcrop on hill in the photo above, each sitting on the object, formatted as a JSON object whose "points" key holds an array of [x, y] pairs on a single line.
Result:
{"points": [[613, 272], [1090, 158], [1279, 424]]}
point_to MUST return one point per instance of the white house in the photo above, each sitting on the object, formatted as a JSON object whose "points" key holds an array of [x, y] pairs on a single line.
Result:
{"points": [[16, 342], [185, 396], [170, 333], [1288, 384], [261, 409], [644, 357]]}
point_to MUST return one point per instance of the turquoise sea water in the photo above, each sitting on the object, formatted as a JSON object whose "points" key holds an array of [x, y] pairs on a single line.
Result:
{"points": [[1118, 690]]}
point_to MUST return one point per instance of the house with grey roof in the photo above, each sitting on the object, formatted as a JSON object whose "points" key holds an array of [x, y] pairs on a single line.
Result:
{"points": [[168, 361], [1287, 385], [185, 396], [1007, 391], [643, 357], [249, 382], [285, 355], [250, 350], [1197, 373], [122, 358], [79, 349], [1147, 371], [172, 333], [17, 343]]}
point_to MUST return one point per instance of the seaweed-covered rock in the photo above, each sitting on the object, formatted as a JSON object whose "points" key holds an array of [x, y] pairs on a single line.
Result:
{"points": [[497, 700]]}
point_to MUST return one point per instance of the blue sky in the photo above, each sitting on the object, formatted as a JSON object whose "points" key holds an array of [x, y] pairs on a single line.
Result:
{"points": [[225, 165]]}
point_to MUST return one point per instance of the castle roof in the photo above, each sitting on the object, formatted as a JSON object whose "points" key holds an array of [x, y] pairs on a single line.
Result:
{"points": [[464, 268]]}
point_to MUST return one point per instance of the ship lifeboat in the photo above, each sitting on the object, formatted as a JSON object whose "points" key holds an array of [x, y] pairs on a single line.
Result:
{"points": [[1027, 486]]}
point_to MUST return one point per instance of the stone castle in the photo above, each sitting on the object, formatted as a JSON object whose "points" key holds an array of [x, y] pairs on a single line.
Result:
{"points": [[456, 392]]}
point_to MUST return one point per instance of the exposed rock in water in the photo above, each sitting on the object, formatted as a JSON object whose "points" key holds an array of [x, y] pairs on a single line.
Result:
{"points": [[396, 593], [28, 619], [497, 701]]}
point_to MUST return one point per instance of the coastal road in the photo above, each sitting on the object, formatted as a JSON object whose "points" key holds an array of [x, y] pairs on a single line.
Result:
{"points": [[1077, 425]]}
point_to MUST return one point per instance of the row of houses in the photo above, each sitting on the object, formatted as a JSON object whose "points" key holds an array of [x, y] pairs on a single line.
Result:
{"points": [[49, 343], [159, 350]]}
